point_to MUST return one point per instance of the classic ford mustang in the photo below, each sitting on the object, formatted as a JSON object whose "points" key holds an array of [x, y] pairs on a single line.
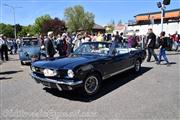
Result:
{"points": [[88, 66]]}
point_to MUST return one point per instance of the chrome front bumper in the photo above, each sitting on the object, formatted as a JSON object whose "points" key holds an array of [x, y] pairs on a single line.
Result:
{"points": [[61, 82], [26, 61]]}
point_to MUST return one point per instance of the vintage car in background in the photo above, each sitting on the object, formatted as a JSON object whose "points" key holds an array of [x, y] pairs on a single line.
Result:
{"points": [[29, 50], [88, 66]]}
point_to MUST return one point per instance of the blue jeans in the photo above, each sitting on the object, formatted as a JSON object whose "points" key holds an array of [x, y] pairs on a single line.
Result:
{"points": [[163, 53]]}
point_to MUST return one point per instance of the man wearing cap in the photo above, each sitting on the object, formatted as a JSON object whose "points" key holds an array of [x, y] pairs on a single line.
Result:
{"points": [[49, 47]]}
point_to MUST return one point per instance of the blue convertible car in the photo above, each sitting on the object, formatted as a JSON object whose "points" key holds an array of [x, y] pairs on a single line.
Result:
{"points": [[29, 50], [88, 66]]}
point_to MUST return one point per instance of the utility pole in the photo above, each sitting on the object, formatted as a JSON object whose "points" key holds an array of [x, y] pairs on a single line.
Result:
{"points": [[14, 16], [162, 16]]}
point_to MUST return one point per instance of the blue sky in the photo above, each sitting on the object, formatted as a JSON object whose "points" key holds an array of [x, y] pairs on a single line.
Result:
{"points": [[105, 10]]}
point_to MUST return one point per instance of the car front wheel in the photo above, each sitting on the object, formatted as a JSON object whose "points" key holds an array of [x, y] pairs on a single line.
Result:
{"points": [[92, 84]]}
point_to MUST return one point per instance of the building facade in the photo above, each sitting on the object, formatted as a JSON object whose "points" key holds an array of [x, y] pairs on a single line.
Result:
{"points": [[153, 20]]}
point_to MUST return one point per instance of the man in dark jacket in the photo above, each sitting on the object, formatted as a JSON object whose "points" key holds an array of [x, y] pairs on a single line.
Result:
{"points": [[49, 47], [150, 44]]}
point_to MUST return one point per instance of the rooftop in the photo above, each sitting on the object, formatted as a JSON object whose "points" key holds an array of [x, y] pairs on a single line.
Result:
{"points": [[173, 10]]}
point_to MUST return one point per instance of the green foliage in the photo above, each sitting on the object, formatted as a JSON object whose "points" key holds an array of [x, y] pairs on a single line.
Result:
{"points": [[77, 18], [37, 26], [18, 28], [7, 30], [26, 30], [109, 29], [110, 26]]}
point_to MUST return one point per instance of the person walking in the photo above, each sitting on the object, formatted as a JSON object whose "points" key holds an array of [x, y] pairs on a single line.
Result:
{"points": [[176, 40], [18, 42], [163, 46], [1, 43], [118, 37], [77, 42], [49, 47], [3, 48], [15, 47], [150, 44]]}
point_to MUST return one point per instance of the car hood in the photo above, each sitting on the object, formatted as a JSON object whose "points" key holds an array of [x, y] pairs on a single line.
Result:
{"points": [[65, 63], [30, 50]]}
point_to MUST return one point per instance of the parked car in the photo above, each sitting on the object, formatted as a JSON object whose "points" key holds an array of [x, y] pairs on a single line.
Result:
{"points": [[88, 66], [29, 50]]}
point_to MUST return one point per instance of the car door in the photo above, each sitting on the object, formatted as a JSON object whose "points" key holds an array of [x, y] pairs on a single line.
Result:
{"points": [[132, 56], [108, 66], [118, 61], [122, 57]]}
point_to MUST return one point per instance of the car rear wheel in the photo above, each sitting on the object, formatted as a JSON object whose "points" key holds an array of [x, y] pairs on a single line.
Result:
{"points": [[137, 66], [92, 84]]}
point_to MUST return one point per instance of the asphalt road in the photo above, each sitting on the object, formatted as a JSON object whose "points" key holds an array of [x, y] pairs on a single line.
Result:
{"points": [[152, 94]]}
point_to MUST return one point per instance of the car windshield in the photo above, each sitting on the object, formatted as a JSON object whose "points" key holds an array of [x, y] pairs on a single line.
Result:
{"points": [[94, 48], [30, 43]]}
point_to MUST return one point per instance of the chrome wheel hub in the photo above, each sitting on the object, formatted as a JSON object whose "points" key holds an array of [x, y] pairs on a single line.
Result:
{"points": [[91, 84]]}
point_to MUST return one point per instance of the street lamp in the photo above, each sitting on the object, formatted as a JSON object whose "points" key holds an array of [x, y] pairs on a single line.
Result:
{"points": [[13, 8], [163, 7]]}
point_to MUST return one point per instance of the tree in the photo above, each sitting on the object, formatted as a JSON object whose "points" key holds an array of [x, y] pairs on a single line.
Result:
{"points": [[110, 27], [119, 22], [37, 26], [112, 23], [18, 28], [26, 30], [56, 25], [7, 30], [76, 18]]}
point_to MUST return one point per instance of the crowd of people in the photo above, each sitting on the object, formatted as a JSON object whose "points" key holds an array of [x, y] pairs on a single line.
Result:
{"points": [[161, 43], [66, 43]]}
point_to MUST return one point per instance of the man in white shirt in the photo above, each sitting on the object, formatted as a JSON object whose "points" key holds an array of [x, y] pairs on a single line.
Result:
{"points": [[3, 48]]}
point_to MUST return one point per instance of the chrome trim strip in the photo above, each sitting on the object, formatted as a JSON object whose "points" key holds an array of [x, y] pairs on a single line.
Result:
{"points": [[64, 82], [59, 88], [26, 61], [112, 74]]}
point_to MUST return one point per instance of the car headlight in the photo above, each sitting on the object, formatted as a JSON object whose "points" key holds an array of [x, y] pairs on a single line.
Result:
{"points": [[49, 73], [70, 73], [33, 68]]}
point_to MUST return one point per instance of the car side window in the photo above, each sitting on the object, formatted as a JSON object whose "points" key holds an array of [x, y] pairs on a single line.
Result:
{"points": [[121, 49]]}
